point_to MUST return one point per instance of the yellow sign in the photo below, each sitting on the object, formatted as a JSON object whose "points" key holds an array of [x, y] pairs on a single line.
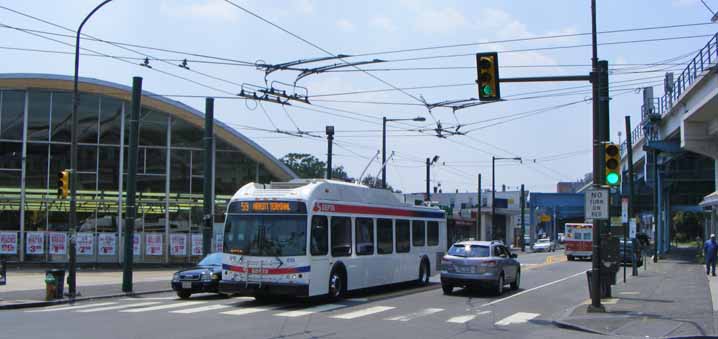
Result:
{"points": [[545, 218]]}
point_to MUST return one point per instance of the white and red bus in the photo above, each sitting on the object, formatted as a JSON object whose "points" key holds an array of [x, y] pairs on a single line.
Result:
{"points": [[322, 237], [578, 241]]}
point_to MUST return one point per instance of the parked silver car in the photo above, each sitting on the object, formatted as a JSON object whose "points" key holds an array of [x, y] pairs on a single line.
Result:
{"points": [[480, 263], [544, 245]]}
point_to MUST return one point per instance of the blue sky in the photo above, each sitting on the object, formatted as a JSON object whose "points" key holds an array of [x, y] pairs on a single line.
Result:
{"points": [[559, 139]]}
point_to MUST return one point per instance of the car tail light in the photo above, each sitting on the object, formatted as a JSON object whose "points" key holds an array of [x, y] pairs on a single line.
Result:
{"points": [[488, 263]]}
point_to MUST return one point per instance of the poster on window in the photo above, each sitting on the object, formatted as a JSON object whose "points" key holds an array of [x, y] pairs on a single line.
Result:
{"points": [[178, 244], [196, 244], [135, 243], [106, 243], [57, 243], [219, 242], [8, 242], [35, 243], [84, 243], [153, 243]]}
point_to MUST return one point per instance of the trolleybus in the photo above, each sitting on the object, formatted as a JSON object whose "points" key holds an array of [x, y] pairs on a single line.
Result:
{"points": [[321, 237]]}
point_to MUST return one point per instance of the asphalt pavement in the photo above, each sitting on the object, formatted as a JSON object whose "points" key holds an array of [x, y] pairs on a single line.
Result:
{"points": [[549, 288]]}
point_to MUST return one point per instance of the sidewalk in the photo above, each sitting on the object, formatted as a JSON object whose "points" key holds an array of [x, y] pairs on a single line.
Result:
{"points": [[671, 299], [26, 288]]}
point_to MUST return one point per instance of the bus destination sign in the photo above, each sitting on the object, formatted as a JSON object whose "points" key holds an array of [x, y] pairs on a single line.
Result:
{"points": [[267, 207]]}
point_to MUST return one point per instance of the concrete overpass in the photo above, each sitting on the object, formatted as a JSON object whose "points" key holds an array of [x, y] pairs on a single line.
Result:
{"points": [[675, 145]]}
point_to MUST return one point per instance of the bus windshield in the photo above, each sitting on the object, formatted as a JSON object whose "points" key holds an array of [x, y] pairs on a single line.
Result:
{"points": [[266, 235]]}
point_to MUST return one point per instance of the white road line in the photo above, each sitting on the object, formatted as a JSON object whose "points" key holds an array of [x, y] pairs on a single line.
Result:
{"points": [[164, 307], [533, 289], [316, 309], [118, 307], [249, 310], [466, 318], [363, 312], [357, 300], [516, 318], [410, 316], [201, 309], [66, 308]]}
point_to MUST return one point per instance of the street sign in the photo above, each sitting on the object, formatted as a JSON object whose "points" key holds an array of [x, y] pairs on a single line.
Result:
{"points": [[596, 207], [624, 210], [545, 218], [632, 229]]}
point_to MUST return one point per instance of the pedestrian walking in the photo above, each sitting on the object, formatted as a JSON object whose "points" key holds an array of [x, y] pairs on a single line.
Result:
{"points": [[711, 251]]}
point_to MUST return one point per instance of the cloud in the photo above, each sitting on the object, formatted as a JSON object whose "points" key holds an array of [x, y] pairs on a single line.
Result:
{"points": [[501, 22], [382, 23], [442, 20], [209, 9], [345, 25], [303, 6]]}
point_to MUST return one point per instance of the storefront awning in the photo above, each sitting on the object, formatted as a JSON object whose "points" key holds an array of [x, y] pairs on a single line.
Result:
{"points": [[710, 200]]}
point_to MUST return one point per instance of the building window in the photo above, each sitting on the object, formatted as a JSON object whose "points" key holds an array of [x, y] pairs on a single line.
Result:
{"points": [[12, 114]]}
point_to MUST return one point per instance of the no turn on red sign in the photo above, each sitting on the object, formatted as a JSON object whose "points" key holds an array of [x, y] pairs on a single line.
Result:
{"points": [[596, 207]]}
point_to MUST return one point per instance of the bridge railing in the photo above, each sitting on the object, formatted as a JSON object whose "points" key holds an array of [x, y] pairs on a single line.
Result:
{"points": [[705, 59]]}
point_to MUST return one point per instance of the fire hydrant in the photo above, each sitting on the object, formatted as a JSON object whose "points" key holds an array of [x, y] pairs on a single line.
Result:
{"points": [[50, 286]]}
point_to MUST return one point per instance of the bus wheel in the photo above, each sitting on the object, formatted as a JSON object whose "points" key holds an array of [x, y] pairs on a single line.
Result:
{"points": [[336, 285], [423, 273]]}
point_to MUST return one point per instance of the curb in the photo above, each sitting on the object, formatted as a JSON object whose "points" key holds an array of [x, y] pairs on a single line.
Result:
{"points": [[68, 301], [575, 327]]}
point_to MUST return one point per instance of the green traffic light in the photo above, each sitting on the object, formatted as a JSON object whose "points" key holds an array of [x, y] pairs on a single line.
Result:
{"points": [[487, 90], [612, 178]]}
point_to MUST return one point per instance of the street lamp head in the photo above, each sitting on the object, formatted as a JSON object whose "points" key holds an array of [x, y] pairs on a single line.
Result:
{"points": [[419, 119], [436, 158], [330, 130]]}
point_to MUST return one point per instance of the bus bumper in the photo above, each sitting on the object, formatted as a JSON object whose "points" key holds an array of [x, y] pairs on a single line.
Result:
{"points": [[265, 288]]}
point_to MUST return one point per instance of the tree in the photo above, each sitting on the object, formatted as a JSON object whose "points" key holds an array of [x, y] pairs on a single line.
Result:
{"points": [[309, 167]]}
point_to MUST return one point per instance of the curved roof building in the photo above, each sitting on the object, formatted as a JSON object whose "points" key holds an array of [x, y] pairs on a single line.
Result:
{"points": [[35, 117]]}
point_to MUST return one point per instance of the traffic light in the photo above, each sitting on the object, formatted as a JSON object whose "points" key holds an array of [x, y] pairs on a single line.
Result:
{"points": [[613, 164], [487, 65], [63, 184]]}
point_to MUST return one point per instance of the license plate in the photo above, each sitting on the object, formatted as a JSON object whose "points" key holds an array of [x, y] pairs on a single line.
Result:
{"points": [[186, 284], [464, 269]]}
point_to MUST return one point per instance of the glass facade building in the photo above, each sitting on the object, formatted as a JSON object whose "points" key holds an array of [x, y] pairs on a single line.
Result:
{"points": [[35, 122]]}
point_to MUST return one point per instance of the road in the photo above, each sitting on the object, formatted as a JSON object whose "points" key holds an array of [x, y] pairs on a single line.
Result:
{"points": [[549, 287]]}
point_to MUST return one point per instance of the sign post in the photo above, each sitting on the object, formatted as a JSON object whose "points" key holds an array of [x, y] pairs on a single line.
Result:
{"points": [[624, 222]]}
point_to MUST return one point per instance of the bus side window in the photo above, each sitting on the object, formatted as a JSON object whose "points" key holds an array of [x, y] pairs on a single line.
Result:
{"points": [[364, 236], [418, 233], [319, 234], [433, 233], [341, 236], [384, 235], [402, 236]]}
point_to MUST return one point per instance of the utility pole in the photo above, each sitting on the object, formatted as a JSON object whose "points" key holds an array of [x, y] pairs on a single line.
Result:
{"points": [[478, 212], [523, 219], [655, 205], [629, 154], [428, 178], [598, 180], [131, 207], [493, 195], [72, 260], [330, 138], [208, 175], [383, 144]]}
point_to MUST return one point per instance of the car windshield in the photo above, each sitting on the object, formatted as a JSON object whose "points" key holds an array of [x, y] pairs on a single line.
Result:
{"points": [[266, 235], [543, 241], [472, 251], [214, 259]]}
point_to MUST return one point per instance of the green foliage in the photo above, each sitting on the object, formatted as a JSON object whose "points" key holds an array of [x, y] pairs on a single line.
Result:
{"points": [[309, 167]]}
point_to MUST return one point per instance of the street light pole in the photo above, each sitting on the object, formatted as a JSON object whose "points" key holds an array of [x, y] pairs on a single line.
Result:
{"points": [[71, 281], [383, 144]]}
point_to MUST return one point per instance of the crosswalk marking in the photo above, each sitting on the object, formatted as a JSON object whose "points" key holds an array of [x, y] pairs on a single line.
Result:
{"points": [[249, 310], [118, 307], [364, 312], [201, 309], [66, 308], [466, 318], [163, 307], [410, 316], [316, 309], [516, 318]]}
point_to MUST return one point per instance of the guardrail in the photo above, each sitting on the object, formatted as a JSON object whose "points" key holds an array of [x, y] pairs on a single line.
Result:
{"points": [[705, 59]]}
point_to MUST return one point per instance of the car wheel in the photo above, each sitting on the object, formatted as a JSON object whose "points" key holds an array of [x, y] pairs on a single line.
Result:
{"points": [[447, 288], [184, 294], [517, 281], [336, 285], [423, 273], [500, 285]]}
